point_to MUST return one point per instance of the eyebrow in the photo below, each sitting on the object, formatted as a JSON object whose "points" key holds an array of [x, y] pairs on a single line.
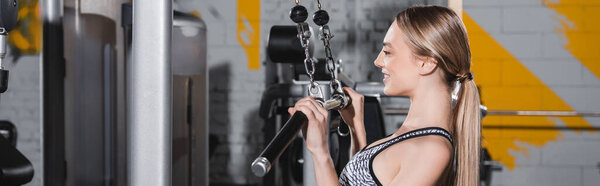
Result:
{"points": [[388, 44]]}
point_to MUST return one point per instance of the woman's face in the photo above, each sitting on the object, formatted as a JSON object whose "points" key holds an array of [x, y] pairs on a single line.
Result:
{"points": [[397, 63]]}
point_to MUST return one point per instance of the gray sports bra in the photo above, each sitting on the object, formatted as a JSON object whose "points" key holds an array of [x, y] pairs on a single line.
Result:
{"points": [[359, 170]]}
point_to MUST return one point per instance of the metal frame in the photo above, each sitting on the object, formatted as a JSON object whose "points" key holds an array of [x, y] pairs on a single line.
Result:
{"points": [[149, 94], [395, 111], [541, 113]]}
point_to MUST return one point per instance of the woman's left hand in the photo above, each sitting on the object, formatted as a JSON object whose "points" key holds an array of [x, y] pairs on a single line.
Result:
{"points": [[315, 133]]}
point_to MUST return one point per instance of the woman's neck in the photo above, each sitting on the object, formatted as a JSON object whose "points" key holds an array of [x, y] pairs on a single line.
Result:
{"points": [[429, 107]]}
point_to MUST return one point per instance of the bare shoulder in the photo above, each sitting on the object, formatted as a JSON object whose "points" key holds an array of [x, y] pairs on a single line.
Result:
{"points": [[431, 146], [423, 161]]}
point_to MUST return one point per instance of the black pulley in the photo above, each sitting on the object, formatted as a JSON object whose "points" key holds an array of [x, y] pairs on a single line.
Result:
{"points": [[298, 14], [321, 17], [284, 45]]}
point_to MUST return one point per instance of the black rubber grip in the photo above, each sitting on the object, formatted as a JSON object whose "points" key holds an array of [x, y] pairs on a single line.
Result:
{"points": [[284, 137]]}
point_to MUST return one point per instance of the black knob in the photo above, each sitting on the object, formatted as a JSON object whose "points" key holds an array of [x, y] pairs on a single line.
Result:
{"points": [[3, 80], [321, 17], [298, 14]]}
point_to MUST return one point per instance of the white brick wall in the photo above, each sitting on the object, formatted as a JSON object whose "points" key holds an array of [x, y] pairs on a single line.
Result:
{"points": [[591, 176], [528, 19], [549, 69], [540, 175], [528, 30]]}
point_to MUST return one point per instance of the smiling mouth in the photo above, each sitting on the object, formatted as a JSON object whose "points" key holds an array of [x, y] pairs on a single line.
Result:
{"points": [[385, 75]]}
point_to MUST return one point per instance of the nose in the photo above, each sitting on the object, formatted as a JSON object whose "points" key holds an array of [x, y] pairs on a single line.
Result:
{"points": [[379, 61]]}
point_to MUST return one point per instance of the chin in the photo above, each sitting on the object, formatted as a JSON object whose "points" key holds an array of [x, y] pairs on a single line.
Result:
{"points": [[394, 91], [388, 92]]}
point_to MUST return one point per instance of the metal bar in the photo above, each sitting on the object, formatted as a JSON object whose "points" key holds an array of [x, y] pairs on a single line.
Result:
{"points": [[395, 111], [52, 87], [289, 131], [149, 94], [542, 113], [529, 127]]}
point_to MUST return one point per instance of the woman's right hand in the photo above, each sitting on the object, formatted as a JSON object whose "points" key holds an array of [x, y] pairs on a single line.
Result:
{"points": [[353, 114], [315, 132]]}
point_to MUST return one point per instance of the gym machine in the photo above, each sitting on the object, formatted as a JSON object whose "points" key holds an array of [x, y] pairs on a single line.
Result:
{"points": [[289, 50], [292, 74], [15, 169], [103, 113], [188, 135]]}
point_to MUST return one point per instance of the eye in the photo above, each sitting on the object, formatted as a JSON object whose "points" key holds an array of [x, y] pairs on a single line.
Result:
{"points": [[386, 52]]}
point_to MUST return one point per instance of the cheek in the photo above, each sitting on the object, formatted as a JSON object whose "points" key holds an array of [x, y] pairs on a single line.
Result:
{"points": [[400, 83], [402, 79]]}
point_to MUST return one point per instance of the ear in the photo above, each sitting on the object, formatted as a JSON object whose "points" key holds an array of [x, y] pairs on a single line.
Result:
{"points": [[426, 65]]}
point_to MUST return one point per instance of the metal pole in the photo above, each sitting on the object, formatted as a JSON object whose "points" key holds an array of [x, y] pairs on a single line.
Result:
{"points": [[52, 85], [395, 111], [149, 94], [542, 113]]}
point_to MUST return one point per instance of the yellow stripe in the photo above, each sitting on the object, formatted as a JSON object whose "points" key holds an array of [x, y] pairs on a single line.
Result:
{"points": [[26, 37], [248, 30], [582, 29], [506, 84]]}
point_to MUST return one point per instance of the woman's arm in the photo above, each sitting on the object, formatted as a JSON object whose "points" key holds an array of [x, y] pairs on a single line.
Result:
{"points": [[315, 135], [324, 171], [358, 136], [353, 115]]}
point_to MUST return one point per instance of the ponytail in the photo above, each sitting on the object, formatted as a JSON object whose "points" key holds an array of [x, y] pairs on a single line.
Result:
{"points": [[439, 33], [467, 134]]}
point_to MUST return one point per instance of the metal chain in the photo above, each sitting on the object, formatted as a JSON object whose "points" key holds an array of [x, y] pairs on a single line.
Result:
{"points": [[326, 36], [321, 18], [299, 14], [309, 63], [332, 67]]}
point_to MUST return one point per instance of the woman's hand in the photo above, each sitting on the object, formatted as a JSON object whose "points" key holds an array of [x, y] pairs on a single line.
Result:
{"points": [[315, 133], [353, 114]]}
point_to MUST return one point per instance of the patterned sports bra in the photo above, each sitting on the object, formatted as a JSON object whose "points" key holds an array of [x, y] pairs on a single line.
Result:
{"points": [[359, 170]]}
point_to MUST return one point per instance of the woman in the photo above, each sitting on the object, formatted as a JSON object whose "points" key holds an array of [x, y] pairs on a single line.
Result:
{"points": [[426, 57]]}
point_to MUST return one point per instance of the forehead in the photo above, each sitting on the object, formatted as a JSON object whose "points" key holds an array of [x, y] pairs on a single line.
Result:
{"points": [[393, 37]]}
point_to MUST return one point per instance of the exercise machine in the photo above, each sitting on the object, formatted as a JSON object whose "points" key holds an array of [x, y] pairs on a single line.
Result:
{"points": [[15, 168]]}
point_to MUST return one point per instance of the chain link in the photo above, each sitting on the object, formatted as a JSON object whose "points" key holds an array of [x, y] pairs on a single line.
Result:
{"points": [[304, 37]]}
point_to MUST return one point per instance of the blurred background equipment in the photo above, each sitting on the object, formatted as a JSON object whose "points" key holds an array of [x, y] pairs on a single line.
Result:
{"points": [[15, 168]]}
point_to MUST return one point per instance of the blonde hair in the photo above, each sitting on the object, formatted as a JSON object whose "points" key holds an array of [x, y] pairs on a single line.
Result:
{"points": [[437, 32]]}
